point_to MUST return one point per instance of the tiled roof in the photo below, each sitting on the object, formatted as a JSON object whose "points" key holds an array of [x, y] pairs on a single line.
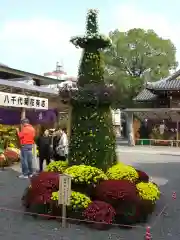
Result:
{"points": [[164, 84], [169, 84], [145, 95]]}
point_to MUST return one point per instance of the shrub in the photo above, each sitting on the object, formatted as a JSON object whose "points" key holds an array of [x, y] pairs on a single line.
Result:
{"points": [[122, 171], [85, 174], [128, 213], [92, 141], [78, 200], [114, 191], [57, 166], [41, 188], [148, 191], [143, 177], [99, 211]]}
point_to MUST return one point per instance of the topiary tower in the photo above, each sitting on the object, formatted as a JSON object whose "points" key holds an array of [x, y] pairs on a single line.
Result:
{"points": [[92, 140]]}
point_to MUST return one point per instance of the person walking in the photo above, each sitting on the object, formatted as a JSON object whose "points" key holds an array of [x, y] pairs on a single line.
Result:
{"points": [[44, 147], [26, 137], [62, 148]]}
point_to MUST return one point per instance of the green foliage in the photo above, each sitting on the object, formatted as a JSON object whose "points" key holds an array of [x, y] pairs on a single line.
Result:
{"points": [[92, 139], [131, 55], [78, 200], [148, 191], [57, 166], [122, 172], [85, 174]]}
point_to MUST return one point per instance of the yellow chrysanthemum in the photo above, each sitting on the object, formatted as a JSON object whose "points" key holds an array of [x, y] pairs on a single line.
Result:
{"points": [[85, 174], [121, 171], [58, 166], [148, 191], [77, 201]]}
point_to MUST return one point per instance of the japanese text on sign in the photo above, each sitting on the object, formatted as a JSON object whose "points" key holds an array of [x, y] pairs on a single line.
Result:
{"points": [[64, 189], [22, 101]]}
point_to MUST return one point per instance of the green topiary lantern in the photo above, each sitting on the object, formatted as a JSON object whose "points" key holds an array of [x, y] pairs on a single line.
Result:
{"points": [[92, 140]]}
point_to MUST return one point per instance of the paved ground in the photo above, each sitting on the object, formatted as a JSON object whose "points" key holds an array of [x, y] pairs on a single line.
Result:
{"points": [[164, 169], [166, 150]]}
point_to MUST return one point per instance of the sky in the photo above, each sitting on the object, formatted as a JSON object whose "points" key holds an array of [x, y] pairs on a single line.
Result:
{"points": [[34, 35]]}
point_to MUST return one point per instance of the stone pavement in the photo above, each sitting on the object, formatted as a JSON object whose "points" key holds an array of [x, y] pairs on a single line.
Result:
{"points": [[173, 151], [149, 150], [18, 226]]}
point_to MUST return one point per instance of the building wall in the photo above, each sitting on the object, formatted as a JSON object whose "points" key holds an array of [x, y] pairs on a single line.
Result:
{"points": [[175, 102]]}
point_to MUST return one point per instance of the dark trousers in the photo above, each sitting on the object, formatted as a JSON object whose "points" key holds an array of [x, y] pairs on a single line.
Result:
{"points": [[59, 158], [41, 161], [62, 158]]}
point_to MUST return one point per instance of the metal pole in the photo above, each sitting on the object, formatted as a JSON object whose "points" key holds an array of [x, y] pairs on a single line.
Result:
{"points": [[177, 133], [63, 215]]}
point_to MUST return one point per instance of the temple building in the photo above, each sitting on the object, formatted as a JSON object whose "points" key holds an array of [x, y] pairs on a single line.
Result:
{"points": [[157, 117]]}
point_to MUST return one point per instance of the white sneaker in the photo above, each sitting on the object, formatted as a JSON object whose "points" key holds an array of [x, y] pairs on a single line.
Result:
{"points": [[23, 176], [31, 175]]}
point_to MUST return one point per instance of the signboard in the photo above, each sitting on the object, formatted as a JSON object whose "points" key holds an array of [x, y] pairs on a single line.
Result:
{"points": [[22, 101], [64, 189]]}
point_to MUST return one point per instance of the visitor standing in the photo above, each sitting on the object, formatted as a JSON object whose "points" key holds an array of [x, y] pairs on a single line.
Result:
{"points": [[56, 139], [26, 136], [62, 148], [44, 147]]}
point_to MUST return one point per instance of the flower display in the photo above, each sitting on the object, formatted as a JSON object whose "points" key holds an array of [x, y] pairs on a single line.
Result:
{"points": [[57, 166], [12, 154], [41, 188], [143, 177], [85, 174], [122, 171], [92, 35], [99, 211], [78, 200], [148, 191], [3, 161], [114, 191]]}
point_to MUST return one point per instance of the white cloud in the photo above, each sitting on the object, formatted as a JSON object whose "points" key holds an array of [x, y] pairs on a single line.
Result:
{"points": [[129, 16], [38, 42]]}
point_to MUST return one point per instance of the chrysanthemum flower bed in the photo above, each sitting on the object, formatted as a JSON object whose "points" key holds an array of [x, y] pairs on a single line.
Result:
{"points": [[122, 195]]}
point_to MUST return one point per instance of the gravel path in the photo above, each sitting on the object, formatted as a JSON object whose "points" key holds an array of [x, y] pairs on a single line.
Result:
{"points": [[17, 226]]}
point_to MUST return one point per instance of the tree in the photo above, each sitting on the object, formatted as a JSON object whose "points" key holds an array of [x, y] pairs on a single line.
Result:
{"points": [[132, 54], [92, 140]]}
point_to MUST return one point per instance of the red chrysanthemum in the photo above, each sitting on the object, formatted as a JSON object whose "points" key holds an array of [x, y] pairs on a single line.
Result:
{"points": [[116, 192], [99, 211], [41, 188], [143, 177]]}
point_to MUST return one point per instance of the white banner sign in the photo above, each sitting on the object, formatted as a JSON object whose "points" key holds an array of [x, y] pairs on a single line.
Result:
{"points": [[22, 101], [64, 189]]}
